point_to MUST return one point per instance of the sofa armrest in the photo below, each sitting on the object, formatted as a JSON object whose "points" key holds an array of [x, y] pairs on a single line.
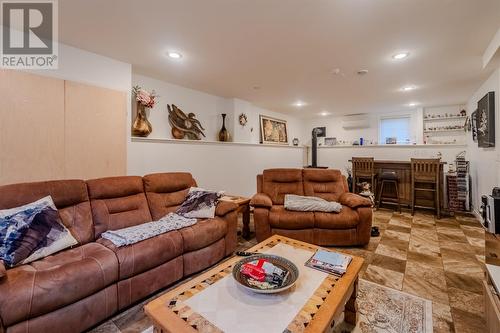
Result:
{"points": [[3, 271], [354, 200], [261, 200], [224, 207]]}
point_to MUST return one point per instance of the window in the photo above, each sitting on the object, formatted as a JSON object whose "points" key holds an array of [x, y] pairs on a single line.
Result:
{"points": [[394, 130]]}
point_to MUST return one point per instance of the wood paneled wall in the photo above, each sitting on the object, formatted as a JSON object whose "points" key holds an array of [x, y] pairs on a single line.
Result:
{"points": [[56, 129]]}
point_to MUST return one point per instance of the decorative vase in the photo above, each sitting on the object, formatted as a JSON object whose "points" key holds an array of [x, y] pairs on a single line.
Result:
{"points": [[223, 133], [141, 126]]}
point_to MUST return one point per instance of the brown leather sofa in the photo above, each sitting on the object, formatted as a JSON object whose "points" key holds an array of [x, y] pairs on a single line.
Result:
{"points": [[75, 289], [352, 226]]}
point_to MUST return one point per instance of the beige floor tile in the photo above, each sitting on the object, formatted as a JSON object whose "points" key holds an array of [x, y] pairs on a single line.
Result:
{"points": [[466, 301], [456, 246], [442, 320], [462, 263], [393, 264], [384, 277], [478, 242], [464, 282], [425, 281], [424, 259], [467, 322], [390, 251], [392, 234]]}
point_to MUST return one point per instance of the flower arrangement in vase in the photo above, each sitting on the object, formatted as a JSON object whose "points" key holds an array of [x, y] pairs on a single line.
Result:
{"points": [[141, 125]]}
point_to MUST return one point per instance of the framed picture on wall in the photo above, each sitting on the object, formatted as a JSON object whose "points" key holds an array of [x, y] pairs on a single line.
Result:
{"points": [[273, 131], [473, 125], [330, 141], [485, 121]]}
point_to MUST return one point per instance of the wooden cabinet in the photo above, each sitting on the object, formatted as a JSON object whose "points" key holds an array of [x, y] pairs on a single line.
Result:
{"points": [[55, 129]]}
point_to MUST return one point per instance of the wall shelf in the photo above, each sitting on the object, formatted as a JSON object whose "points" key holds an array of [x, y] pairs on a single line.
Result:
{"points": [[451, 145], [445, 118], [446, 130], [206, 142]]}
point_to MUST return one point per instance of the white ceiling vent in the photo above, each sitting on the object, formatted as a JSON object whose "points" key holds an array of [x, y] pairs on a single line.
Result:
{"points": [[357, 123]]}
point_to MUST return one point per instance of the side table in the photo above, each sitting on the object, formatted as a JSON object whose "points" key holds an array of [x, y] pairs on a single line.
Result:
{"points": [[243, 208]]}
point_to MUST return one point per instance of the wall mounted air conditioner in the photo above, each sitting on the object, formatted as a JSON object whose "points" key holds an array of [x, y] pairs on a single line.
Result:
{"points": [[355, 123]]}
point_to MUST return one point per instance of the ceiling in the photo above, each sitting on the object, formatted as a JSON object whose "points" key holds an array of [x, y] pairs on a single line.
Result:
{"points": [[276, 52]]}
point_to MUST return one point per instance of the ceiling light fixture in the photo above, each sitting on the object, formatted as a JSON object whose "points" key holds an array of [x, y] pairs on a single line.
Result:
{"points": [[412, 104], [299, 104], [324, 113], [399, 56], [174, 55], [408, 88]]}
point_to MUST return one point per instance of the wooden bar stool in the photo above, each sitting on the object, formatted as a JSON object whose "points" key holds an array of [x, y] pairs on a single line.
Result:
{"points": [[389, 177], [425, 175], [363, 169]]}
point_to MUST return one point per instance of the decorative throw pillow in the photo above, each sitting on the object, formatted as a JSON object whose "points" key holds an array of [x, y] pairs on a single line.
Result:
{"points": [[200, 203], [31, 232]]}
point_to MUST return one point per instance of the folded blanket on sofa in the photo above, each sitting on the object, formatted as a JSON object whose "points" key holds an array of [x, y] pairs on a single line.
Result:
{"points": [[310, 204], [137, 233]]}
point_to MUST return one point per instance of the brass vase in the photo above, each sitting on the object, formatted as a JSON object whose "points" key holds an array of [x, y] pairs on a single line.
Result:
{"points": [[141, 126]]}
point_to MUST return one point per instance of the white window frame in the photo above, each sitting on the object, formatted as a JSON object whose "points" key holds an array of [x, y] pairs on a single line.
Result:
{"points": [[399, 116]]}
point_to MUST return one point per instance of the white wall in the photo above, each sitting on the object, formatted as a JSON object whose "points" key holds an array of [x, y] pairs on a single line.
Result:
{"points": [[226, 166], [369, 134], [485, 162]]}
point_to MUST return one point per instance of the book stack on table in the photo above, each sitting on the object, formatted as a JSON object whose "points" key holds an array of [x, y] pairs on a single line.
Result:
{"points": [[329, 262]]}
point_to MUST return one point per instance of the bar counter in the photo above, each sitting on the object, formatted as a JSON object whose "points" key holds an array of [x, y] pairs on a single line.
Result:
{"points": [[403, 170]]}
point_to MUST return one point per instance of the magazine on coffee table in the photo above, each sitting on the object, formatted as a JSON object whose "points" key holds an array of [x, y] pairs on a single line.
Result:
{"points": [[329, 262]]}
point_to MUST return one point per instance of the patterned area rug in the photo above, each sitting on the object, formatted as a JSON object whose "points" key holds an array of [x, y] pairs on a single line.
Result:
{"points": [[382, 309]]}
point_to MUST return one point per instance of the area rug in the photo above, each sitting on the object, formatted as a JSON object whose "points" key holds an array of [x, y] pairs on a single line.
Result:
{"points": [[382, 309]]}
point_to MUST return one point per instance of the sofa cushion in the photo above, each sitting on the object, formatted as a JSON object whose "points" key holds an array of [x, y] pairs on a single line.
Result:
{"points": [[281, 218], [347, 218], [56, 281], [203, 233], [140, 257], [165, 192], [117, 202], [69, 196], [327, 184], [278, 182]]}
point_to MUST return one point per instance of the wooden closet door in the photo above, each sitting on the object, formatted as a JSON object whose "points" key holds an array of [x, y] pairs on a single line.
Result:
{"points": [[95, 131], [31, 127]]}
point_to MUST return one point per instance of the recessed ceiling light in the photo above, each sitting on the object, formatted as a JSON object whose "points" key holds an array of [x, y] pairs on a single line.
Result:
{"points": [[174, 55], [401, 55], [299, 104], [362, 72], [408, 88], [324, 113], [412, 104]]}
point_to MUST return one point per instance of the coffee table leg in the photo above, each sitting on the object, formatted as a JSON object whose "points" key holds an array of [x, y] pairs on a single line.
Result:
{"points": [[350, 313], [246, 222]]}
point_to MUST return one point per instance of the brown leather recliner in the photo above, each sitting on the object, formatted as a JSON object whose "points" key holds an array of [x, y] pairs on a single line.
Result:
{"points": [[352, 226], [77, 288]]}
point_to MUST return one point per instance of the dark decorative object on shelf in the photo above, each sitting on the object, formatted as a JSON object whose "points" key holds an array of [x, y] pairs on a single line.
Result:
{"points": [[223, 133], [473, 126], [463, 113], [184, 125], [485, 121], [295, 141]]}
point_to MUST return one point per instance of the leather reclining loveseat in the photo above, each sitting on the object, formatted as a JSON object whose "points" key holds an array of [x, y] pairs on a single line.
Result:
{"points": [[352, 226], [77, 288]]}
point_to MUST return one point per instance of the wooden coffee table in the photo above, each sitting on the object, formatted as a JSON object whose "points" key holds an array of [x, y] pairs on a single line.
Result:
{"points": [[181, 309]]}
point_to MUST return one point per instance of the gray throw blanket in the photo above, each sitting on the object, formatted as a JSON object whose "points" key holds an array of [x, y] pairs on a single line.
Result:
{"points": [[310, 204], [137, 233]]}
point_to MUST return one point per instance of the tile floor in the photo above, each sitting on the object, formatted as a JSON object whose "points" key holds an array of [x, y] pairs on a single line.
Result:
{"points": [[440, 260]]}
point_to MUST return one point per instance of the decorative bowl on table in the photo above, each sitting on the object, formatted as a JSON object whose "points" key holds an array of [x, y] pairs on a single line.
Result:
{"points": [[292, 274]]}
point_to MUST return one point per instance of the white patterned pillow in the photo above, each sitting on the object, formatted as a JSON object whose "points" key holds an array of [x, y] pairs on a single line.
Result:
{"points": [[31, 232], [200, 203]]}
